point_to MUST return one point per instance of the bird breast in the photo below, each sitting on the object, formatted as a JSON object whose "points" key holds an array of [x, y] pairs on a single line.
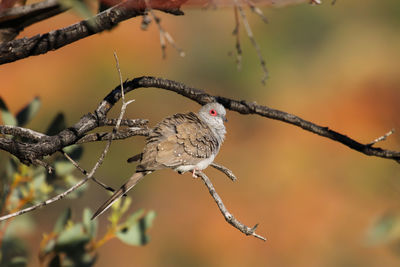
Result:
{"points": [[199, 166]]}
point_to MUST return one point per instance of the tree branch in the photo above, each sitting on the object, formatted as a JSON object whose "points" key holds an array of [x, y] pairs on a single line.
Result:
{"points": [[224, 170], [106, 20], [227, 215], [122, 134], [14, 20], [47, 145], [244, 107]]}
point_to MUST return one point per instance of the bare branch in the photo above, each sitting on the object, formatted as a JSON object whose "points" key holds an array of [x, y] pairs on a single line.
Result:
{"points": [[29, 152], [225, 170], [121, 134], [53, 40], [252, 40], [163, 33], [227, 215], [236, 34], [14, 20], [315, 2], [84, 172], [381, 138], [96, 166], [124, 122], [21, 132], [244, 107], [256, 10], [44, 203]]}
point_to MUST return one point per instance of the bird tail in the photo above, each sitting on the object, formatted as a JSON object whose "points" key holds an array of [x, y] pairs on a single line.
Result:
{"points": [[132, 181], [135, 158]]}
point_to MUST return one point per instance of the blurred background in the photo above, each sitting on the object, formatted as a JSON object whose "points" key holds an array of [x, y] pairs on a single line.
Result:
{"points": [[315, 199]]}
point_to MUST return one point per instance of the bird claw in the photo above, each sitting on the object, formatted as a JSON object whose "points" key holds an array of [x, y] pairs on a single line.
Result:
{"points": [[194, 175]]}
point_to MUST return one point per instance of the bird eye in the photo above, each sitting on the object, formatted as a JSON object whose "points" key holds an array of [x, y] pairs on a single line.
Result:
{"points": [[213, 112]]}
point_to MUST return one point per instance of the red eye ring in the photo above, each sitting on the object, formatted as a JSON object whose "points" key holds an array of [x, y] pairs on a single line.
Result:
{"points": [[213, 112]]}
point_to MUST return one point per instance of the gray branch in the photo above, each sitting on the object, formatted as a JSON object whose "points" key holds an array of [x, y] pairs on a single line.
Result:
{"points": [[227, 215], [53, 40], [224, 170], [14, 20]]}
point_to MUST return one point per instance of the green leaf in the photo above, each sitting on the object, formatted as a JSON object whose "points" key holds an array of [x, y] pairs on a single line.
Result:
{"points": [[62, 221], [13, 253], [57, 125], [134, 232], [89, 225], [50, 245], [74, 151], [21, 226], [70, 180], [118, 209], [28, 112], [6, 116], [72, 239], [134, 218], [385, 230], [81, 7], [63, 167], [11, 167]]}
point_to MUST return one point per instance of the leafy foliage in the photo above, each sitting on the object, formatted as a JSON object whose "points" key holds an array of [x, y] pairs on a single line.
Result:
{"points": [[70, 243], [75, 244]]}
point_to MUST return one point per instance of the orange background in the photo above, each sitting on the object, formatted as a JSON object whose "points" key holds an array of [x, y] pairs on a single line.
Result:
{"points": [[337, 66]]}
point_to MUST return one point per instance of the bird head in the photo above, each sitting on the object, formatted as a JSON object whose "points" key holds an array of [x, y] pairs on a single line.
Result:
{"points": [[213, 114]]}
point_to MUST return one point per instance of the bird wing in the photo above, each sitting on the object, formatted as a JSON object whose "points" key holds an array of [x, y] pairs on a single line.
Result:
{"points": [[182, 139], [192, 142]]}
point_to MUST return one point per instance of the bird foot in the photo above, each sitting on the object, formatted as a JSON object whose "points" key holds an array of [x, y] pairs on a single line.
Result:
{"points": [[194, 175]]}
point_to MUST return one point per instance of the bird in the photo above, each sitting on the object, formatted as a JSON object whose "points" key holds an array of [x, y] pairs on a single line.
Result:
{"points": [[182, 142]]}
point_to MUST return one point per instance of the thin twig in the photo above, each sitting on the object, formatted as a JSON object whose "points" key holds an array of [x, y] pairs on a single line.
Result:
{"points": [[163, 33], [44, 203], [91, 173], [252, 40], [225, 170], [256, 10], [227, 215], [381, 138], [146, 20], [236, 34], [44, 164], [315, 2], [84, 172]]}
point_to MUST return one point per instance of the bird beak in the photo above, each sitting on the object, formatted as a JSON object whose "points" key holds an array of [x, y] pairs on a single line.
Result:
{"points": [[224, 119]]}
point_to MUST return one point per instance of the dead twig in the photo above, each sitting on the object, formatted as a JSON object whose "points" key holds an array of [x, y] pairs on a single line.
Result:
{"points": [[236, 34], [225, 170], [252, 40], [84, 172], [381, 138], [164, 35], [256, 10], [227, 215], [96, 166]]}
